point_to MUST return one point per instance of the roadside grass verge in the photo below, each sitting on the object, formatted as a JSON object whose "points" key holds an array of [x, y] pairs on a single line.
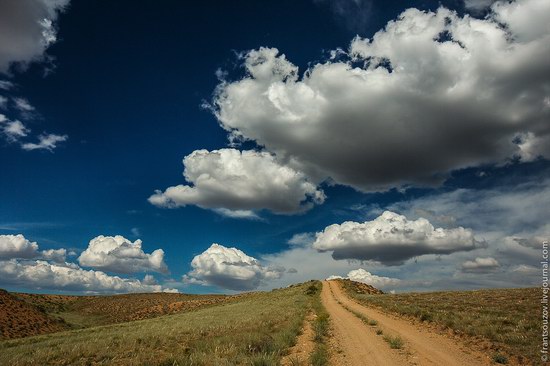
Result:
{"points": [[321, 325], [501, 321], [256, 330]]}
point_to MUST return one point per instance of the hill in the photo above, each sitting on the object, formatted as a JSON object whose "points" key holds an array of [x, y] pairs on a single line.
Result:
{"points": [[18, 318], [256, 328], [24, 314]]}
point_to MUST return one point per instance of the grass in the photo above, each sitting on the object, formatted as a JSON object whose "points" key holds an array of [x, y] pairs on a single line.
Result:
{"points": [[507, 319], [255, 330], [321, 325], [394, 342]]}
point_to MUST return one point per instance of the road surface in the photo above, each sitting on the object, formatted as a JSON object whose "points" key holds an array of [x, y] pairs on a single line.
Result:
{"points": [[358, 344]]}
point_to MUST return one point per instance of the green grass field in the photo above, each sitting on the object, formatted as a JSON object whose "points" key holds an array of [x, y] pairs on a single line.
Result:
{"points": [[255, 330], [504, 320]]}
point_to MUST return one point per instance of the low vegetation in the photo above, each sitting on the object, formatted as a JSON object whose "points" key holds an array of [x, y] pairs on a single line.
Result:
{"points": [[503, 321], [319, 357], [395, 342], [256, 329], [86, 311]]}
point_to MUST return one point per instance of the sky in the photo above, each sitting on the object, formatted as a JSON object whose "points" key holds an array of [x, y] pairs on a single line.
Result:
{"points": [[219, 147]]}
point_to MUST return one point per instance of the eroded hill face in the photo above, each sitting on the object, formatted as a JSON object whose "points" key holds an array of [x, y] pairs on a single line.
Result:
{"points": [[19, 319]]}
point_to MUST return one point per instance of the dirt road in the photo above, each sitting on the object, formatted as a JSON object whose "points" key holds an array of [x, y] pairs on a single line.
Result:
{"points": [[357, 343]]}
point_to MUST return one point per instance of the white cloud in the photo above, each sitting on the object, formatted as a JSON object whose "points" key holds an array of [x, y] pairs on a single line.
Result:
{"points": [[437, 92], [22, 264], [360, 275], [302, 239], [480, 265], [27, 29], [135, 231], [45, 142], [6, 85], [23, 105], [234, 183], [392, 239], [13, 130], [526, 269], [55, 255], [230, 268], [3, 102], [68, 277], [120, 255], [17, 246], [509, 210], [149, 280], [238, 214]]}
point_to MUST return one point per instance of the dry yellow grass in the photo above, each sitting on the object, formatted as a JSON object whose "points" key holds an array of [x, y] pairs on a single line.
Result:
{"points": [[254, 330], [499, 321]]}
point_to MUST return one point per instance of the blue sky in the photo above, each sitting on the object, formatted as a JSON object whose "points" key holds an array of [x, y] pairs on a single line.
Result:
{"points": [[100, 104]]}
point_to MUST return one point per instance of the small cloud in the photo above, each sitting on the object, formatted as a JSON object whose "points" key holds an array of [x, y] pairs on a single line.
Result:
{"points": [[13, 130], [6, 85], [22, 105], [45, 142], [238, 214], [525, 269], [480, 265], [360, 275], [230, 268], [149, 280], [302, 239], [135, 232], [120, 255]]}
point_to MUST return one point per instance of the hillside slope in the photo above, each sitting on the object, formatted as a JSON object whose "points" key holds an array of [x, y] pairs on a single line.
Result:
{"points": [[254, 329], [18, 318]]}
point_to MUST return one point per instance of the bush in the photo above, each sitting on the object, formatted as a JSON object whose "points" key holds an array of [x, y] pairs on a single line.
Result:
{"points": [[394, 342], [500, 358]]}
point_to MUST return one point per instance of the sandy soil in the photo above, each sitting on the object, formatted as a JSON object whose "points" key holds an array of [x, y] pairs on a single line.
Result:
{"points": [[299, 354], [353, 342], [422, 347]]}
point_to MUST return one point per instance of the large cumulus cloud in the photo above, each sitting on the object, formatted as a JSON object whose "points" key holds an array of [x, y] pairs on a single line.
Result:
{"points": [[22, 264], [392, 239], [40, 274], [19, 247], [230, 268], [120, 255], [235, 183], [430, 93]]}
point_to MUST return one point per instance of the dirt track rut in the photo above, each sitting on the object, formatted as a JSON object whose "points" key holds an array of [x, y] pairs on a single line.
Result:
{"points": [[357, 343]]}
